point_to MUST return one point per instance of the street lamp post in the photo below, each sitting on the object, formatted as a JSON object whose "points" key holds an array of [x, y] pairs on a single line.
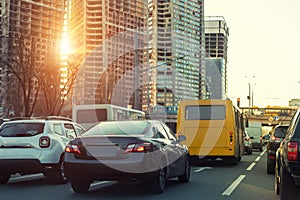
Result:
{"points": [[250, 95]]}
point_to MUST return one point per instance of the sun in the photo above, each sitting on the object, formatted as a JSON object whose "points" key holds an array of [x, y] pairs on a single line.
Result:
{"points": [[65, 49]]}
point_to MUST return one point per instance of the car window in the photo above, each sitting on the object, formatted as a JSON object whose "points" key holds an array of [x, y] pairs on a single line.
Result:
{"points": [[161, 133], [280, 132], [169, 132], [79, 129], [70, 130], [21, 129], [119, 128], [57, 128]]}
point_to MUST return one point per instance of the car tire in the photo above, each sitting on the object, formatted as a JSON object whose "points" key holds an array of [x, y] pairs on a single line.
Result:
{"points": [[80, 186], [185, 178], [159, 181], [287, 185], [270, 166], [57, 174], [277, 187], [4, 178]]}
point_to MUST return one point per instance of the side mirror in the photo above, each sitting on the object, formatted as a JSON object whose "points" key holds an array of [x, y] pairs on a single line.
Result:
{"points": [[181, 138]]}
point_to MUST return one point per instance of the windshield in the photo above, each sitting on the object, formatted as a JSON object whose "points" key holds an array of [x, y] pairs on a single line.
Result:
{"points": [[21, 129], [119, 128]]}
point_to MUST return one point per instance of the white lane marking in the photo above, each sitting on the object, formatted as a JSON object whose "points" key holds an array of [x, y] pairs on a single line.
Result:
{"points": [[251, 166], [230, 189], [201, 169], [257, 159], [27, 177], [262, 153]]}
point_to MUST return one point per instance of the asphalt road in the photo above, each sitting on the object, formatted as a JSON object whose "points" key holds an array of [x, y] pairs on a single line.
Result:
{"points": [[210, 181]]}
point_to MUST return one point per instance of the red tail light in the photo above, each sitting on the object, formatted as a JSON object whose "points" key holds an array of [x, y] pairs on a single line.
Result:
{"points": [[138, 148], [44, 142], [72, 148], [231, 138], [292, 151]]}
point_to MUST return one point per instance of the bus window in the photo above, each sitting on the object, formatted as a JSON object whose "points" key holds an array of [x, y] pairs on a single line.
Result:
{"points": [[91, 115], [214, 112]]}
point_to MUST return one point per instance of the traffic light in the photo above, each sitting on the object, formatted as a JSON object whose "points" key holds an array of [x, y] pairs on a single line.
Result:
{"points": [[238, 102]]}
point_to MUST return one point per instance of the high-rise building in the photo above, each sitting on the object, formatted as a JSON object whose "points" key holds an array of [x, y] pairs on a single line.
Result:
{"points": [[216, 39], [110, 39], [176, 69], [40, 23]]}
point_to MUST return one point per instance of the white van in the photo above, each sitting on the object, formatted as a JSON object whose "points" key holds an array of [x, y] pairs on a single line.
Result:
{"points": [[255, 133]]}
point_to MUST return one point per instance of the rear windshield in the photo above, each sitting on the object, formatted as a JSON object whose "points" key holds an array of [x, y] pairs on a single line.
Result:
{"points": [[118, 128], [21, 129], [280, 132]]}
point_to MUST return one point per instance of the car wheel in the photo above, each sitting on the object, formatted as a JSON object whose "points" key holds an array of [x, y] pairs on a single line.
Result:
{"points": [[185, 178], [270, 166], [4, 178], [57, 174], [159, 181], [250, 152], [80, 186], [277, 188], [287, 186]]}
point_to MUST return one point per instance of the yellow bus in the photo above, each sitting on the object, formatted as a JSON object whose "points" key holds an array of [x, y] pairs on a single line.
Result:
{"points": [[214, 129]]}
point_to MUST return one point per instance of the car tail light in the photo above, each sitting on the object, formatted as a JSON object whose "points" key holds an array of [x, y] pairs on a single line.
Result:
{"points": [[231, 138], [72, 148], [292, 151], [44, 142], [273, 138], [138, 148]]}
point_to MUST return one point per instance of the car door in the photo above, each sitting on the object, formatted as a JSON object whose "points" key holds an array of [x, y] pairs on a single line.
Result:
{"points": [[171, 148], [181, 150]]}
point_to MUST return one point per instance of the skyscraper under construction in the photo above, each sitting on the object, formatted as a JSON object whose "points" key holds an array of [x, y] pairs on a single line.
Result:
{"points": [[38, 23], [110, 39]]}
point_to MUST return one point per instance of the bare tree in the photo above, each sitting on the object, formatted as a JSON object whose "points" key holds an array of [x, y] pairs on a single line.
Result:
{"points": [[22, 65], [45, 83], [56, 80]]}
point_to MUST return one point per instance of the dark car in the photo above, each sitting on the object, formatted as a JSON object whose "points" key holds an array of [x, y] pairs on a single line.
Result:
{"points": [[287, 169], [146, 151], [276, 137]]}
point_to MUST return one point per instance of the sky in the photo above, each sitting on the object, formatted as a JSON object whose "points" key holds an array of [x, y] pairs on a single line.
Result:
{"points": [[263, 49]]}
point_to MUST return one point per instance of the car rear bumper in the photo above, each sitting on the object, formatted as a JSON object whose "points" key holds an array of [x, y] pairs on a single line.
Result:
{"points": [[256, 145], [113, 169], [101, 172], [21, 166]]}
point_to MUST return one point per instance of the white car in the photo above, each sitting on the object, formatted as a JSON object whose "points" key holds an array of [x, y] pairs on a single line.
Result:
{"points": [[29, 146]]}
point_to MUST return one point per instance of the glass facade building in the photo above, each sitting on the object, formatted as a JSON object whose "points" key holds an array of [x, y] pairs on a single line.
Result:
{"points": [[176, 64]]}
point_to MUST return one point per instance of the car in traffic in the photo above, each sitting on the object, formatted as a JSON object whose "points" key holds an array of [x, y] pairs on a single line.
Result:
{"points": [[287, 168], [145, 151], [35, 145], [277, 136], [247, 143], [255, 131]]}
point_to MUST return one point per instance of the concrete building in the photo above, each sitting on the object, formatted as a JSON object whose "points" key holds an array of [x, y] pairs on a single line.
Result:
{"points": [[110, 39], [216, 45], [176, 69], [39, 22]]}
